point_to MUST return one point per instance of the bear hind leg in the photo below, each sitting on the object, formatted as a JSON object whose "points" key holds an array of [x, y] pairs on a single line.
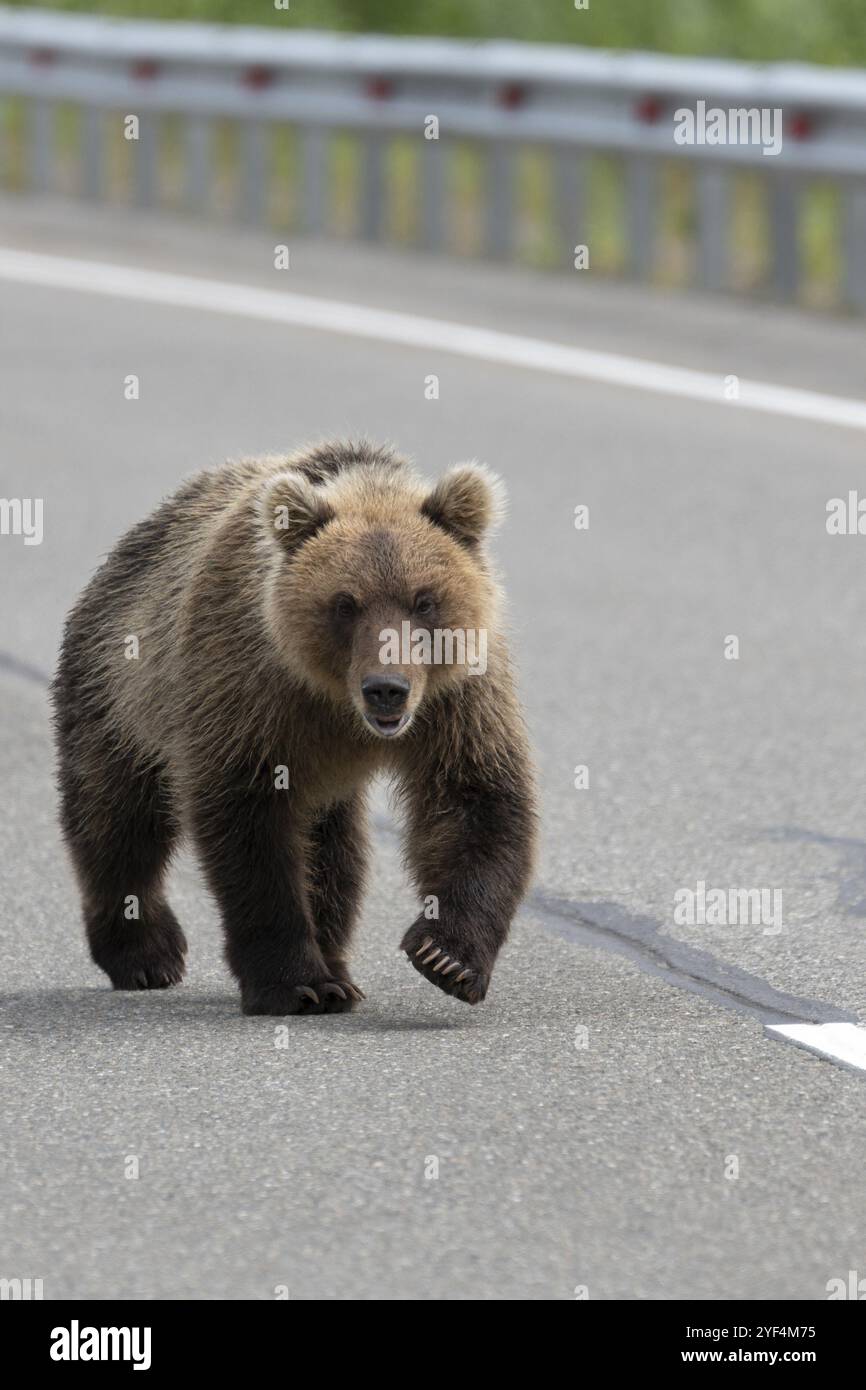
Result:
{"points": [[120, 829]]}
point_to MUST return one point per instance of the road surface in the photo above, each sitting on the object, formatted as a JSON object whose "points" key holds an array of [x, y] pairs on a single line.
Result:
{"points": [[597, 1127]]}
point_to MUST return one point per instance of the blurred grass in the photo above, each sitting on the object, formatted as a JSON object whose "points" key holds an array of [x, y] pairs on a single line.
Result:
{"points": [[817, 31]]}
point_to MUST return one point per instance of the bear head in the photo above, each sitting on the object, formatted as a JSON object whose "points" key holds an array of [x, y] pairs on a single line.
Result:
{"points": [[380, 595]]}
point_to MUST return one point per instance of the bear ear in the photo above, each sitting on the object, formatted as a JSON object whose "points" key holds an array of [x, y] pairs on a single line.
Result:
{"points": [[466, 502], [293, 509]]}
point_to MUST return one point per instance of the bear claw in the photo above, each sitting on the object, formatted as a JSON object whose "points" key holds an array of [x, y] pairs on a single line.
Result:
{"points": [[329, 997], [152, 976], [439, 967]]}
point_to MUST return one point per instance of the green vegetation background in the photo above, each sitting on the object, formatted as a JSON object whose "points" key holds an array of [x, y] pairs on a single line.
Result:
{"points": [[818, 31]]}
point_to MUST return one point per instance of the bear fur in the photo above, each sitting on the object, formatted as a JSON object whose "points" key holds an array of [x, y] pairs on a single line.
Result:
{"points": [[258, 594]]}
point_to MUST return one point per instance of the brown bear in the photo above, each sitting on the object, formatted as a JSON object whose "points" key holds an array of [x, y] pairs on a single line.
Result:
{"points": [[240, 666]]}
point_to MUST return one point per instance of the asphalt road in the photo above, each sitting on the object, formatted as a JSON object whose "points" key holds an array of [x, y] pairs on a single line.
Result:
{"points": [[559, 1165]]}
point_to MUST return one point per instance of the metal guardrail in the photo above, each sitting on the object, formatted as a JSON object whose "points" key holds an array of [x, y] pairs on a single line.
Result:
{"points": [[500, 96]]}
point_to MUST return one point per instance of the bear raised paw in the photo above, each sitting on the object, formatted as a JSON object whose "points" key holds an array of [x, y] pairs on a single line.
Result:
{"points": [[247, 658]]}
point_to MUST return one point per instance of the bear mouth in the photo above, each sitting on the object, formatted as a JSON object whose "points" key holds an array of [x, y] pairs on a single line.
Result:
{"points": [[387, 728]]}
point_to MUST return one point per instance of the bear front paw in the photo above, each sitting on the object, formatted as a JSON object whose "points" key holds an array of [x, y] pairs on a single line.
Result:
{"points": [[152, 958], [318, 997], [445, 966]]}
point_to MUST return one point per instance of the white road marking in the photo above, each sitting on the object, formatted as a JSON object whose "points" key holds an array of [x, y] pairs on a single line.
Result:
{"points": [[360, 321], [844, 1042]]}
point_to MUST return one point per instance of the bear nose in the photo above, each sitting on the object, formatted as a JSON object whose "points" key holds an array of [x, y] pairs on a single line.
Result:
{"points": [[385, 694]]}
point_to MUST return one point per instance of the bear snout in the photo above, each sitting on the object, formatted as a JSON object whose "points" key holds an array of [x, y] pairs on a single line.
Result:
{"points": [[385, 700]]}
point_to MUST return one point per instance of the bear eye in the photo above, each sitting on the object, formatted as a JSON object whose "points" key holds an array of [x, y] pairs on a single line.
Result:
{"points": [[345, 606], [424, 604]]}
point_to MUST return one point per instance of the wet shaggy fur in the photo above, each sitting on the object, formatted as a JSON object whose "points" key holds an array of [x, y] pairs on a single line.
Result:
{"points": [[258, 593]]}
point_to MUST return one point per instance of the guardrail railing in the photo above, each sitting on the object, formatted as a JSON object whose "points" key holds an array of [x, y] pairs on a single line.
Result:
{"points": [[71, 85]]}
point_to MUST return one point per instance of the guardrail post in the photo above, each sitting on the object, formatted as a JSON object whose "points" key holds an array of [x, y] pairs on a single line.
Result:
{"points": [[712, 196], [569, 174], [5, 146], [373, 190], [854, 243], [41, 140], [784, 235], [500, 198], [640, 185], [432, 161], [92, 163], [253, 186], [198, 151], [314, 157], [146, 159]]}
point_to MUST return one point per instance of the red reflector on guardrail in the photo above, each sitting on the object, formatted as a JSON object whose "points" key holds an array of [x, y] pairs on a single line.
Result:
{"points": [[258, 76], [43, 57], [800, 126], [379, 88], [144, 69], [648, 110], [513, 94]]}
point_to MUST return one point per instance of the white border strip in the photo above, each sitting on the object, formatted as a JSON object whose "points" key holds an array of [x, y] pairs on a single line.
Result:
{"points": [[844, 1042], [359, 321]]}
